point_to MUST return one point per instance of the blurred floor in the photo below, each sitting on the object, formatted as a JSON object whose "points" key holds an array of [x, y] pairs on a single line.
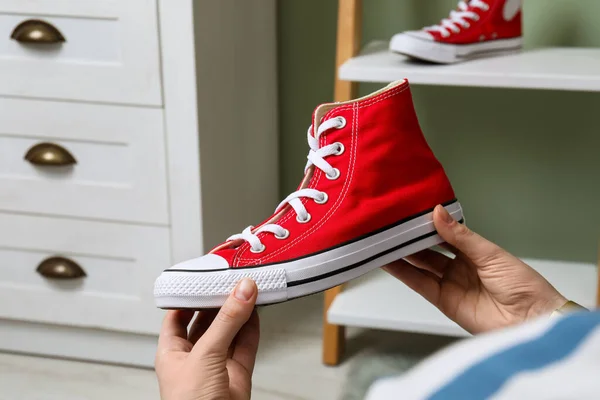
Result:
{"points": [[288, 367]]}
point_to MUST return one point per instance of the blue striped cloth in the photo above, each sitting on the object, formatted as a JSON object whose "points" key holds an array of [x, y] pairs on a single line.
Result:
{"points": [[546, 359]]}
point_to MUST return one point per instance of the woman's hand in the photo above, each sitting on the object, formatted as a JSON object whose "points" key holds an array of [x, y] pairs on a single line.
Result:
{"points": [[483, 288], [215, 359]]}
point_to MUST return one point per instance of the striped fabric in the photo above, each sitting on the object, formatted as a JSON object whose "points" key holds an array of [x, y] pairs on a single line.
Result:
{"points": [[546, 359]]}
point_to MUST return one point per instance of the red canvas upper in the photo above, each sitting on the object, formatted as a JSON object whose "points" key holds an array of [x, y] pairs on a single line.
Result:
{"points": [[490, 26], [388, 173]]}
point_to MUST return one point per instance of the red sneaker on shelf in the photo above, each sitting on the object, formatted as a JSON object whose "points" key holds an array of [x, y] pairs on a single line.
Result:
{"points": [[370, 186], [479, 28]]}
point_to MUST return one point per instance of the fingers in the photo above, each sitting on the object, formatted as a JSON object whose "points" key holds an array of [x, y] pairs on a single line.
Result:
{"points": [[173, 333], [201, 324], [476, 248], [175, 323], [229, 320], [246, 343], [430, 260], [424, 283]]}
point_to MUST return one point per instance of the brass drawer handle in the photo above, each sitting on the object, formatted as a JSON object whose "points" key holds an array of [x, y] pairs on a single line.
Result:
{"points": [[49, 154], [60, 268], [37, 31]]}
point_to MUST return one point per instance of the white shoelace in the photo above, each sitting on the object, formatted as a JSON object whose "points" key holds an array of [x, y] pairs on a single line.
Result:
{"points": [[316, 157], [459, 18]]}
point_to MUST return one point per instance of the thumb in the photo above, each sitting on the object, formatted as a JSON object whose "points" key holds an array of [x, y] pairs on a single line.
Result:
{"points": [[231, 317], [475, 247]]}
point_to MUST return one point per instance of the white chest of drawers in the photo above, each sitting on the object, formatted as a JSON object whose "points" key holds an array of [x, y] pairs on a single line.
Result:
{"points": [[124, 148], [111, 52]]}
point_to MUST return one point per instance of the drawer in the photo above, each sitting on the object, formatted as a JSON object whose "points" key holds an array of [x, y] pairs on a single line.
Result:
{"points": [[110, 52], [120, 263], [119, 174]]}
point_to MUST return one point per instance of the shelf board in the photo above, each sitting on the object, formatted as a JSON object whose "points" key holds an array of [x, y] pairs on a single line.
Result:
{"points": [[576, 69], [379, 301]]}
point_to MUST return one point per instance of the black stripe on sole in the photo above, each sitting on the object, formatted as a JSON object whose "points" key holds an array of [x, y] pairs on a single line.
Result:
{"points": [[363, 262], [385, 228]]}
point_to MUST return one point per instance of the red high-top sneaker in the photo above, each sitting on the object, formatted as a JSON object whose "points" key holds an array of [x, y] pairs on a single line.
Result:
{"points": [[479, 28], [370, 186]]}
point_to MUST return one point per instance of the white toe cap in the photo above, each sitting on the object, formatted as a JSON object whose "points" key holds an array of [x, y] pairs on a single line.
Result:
{"points": [[205, 263], [420, 34]]}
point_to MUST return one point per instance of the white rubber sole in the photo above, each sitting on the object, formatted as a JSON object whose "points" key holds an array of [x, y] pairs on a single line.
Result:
{"points": [[443, 53], [301, 277]]}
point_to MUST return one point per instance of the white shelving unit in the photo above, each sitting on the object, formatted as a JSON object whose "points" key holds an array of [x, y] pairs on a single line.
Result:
{"points": [[549, 68], [380, 301]]}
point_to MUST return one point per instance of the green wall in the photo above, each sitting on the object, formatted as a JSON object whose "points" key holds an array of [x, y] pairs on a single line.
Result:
{"points": [[524, 163]]}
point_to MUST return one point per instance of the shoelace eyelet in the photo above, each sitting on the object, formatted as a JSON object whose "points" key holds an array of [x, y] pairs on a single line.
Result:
{"points": [[284, 236], [259, 250], [340, 150], [466, 25], [342, 121], [303, 221], [323, 199], [336, 174]]}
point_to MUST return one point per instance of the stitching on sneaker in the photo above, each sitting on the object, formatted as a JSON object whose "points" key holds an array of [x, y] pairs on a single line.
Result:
{"points": [[354, 146], [345, 189], [341, 198]]}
